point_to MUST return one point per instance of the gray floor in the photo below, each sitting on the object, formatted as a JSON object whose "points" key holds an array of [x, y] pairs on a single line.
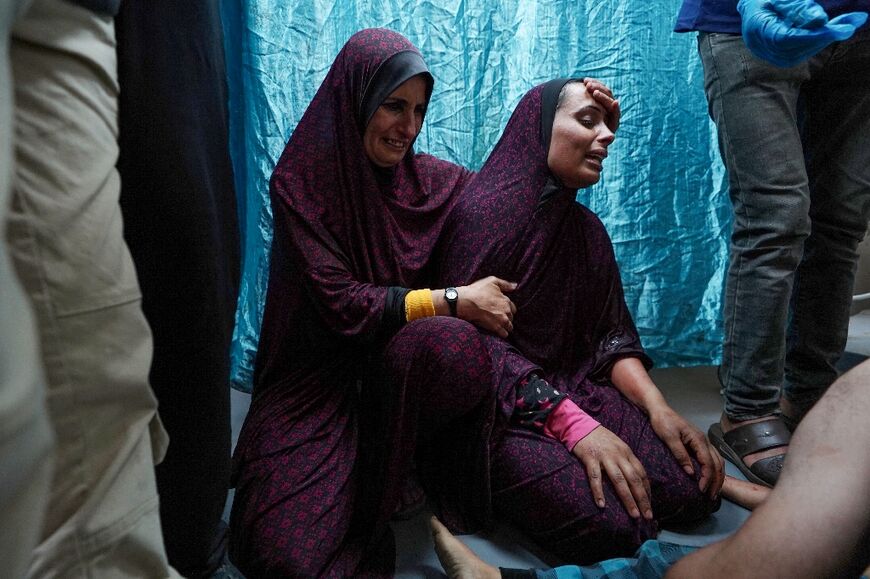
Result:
{"points": [[691, 391]]}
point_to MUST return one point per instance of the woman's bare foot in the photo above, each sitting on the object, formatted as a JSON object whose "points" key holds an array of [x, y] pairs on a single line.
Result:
{"points": [[746, 494], [459, 561]]}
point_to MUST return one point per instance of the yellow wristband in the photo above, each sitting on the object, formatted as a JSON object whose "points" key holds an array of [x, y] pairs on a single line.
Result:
{"points": [[418, 304]]}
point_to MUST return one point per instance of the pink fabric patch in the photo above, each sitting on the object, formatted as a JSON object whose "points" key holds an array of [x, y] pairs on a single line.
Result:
{"points": [[568, 424]]}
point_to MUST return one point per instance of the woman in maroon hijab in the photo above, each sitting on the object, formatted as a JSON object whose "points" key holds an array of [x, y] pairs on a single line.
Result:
{"points": [[609, 459], [344, 388]]}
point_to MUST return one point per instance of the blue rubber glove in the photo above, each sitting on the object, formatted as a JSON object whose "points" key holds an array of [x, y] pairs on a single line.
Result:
{"points": [[788, 32], [800, 13]]}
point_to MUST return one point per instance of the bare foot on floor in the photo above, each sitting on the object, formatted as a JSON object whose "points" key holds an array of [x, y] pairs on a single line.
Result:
{"points": [[459, 561], [746, 494]]}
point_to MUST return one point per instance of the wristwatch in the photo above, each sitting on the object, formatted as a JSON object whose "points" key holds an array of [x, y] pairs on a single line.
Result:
{"points": [[451, 296]]}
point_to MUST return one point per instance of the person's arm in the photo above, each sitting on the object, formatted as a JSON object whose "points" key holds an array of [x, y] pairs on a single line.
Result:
{"points": [[536, 403], [355, 308], [630, 377], [348, 306], [540, 407], [620, 359], [615, 336]]}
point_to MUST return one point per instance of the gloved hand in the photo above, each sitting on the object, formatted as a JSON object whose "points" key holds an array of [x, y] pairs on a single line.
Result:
{"points": [[800, 13], [788, 32]]}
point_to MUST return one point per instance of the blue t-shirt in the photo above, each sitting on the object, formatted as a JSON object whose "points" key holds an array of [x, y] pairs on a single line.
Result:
{"points": [[722, 15]]}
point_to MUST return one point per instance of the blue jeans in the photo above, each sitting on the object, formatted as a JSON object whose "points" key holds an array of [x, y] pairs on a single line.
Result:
{"points": [[796, 144]]}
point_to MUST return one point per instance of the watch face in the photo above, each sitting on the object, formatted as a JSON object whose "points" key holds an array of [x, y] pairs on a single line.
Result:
{"points": [[451, 293]]}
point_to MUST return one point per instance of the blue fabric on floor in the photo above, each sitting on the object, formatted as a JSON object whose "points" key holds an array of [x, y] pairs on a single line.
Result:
{"points": [[651, 561], [663, 196]]}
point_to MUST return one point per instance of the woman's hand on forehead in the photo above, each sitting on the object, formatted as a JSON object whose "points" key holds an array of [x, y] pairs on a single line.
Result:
{"points": [[603, 95]]}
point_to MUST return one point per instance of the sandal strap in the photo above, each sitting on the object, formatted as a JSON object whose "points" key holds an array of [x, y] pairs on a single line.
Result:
{"points": [[757, 436], [768, 469]]}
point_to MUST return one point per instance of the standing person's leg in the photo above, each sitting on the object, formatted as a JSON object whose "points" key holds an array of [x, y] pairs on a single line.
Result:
{"points": [[178, 204], [837, 138], [65, 232], [816, 522], [25, 433], [755, 107]]}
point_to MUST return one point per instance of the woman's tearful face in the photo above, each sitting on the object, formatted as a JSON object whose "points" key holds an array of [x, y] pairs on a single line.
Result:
{"points": [[580, 137], [396, 123]]}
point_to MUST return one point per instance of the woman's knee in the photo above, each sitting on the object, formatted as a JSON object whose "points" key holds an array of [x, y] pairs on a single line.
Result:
{"points": [[445, 346], [609, 533], [681, 500], [564, 520]]}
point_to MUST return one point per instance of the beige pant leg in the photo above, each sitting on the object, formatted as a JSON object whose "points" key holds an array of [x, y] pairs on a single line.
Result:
{"points": [[65, 233], [25, 434]]}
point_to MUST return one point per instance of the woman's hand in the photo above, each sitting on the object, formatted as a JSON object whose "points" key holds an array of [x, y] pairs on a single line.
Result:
{"points": [[601, 93], [602, 452], [686, 441], [484, 304]]}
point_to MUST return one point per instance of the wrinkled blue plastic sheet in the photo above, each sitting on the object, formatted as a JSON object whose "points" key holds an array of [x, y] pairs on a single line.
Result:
{"points": [[663, 197]]}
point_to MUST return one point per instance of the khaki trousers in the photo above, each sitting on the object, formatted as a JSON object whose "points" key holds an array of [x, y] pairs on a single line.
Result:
{"points": [[25, 435], [65, 236]]}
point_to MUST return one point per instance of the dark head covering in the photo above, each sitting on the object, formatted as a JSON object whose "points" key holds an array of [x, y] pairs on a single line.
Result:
{"points": [[344, 232], [517, 222], [389, 76]]}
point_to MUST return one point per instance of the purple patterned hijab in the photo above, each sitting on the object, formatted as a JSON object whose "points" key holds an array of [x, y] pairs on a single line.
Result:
{"points": [[515, 221], [344, 229]]}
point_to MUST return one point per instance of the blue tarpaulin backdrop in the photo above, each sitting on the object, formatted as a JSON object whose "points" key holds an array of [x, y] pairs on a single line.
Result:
{"points": [[663, 197]]}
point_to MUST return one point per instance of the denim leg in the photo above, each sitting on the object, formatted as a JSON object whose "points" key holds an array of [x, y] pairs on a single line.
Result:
{"points": [[755, 108], [837, 144]]}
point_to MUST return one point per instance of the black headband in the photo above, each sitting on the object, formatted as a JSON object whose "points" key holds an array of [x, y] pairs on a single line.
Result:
{"points": [[549, 101], [392, 73]]}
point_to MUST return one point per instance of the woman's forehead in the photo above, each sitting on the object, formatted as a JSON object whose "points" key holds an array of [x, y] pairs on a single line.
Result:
{"points": [[577, 97], [414, 86]]}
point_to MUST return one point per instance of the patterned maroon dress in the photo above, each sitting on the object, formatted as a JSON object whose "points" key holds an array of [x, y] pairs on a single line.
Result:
{"points": [[516, 222], [342, 391]]}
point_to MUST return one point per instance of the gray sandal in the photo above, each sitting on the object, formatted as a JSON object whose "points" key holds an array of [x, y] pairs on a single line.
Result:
{"points": [[751, 438]]}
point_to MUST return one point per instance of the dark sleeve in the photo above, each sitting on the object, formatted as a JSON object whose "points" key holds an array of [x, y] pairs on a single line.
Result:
{"points": [[536, 399], [348, 306], [394, 310], [616, 345], [104, 7]]}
